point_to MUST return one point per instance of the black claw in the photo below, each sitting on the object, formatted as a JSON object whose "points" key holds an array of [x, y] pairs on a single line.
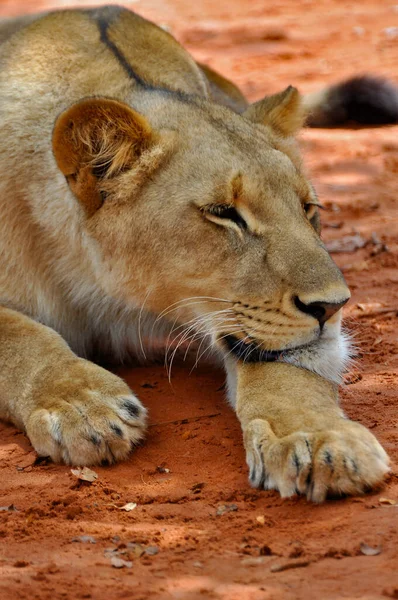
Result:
{"points": [[112, 459], [297, 463], [95, 439], [116, 429], [328, 458], [105, 462], [264, 476], [308, 447], [354, 465], [311, 490], [308, 480], [263, 479], [132, 408], [57, 434]]}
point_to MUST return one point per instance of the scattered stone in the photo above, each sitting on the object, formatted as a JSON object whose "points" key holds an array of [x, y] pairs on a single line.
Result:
{"points": [[119, 563], [137, 549], [348, 243], [9, 508], [162, 469], [197, 564], [151, 550], [391, 32], [379, 246], [85, 539], [225, 508], [27, 461]]}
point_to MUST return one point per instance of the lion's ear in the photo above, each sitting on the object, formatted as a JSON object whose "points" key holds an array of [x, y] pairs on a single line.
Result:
{"points": [[284, 112], [97, 139]]}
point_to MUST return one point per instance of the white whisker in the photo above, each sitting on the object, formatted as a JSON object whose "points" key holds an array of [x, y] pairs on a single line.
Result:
{"points": [[185, 334], [237, 330], [139, 322], [200, 300], [196, 328]]}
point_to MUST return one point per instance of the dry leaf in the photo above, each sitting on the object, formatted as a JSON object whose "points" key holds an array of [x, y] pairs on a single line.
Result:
{"points": [[369, 306], [85, 474], [128, 507], [197, 488], [252, 561], [368, 550], [260, 519], [289, 565], [387, 501], [119, 563]]}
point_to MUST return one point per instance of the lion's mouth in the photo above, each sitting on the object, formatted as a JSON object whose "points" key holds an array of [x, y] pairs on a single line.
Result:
{"points": [[249, 352]]}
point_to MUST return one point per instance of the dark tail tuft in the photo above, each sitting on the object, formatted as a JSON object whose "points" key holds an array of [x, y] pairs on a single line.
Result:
{"points": [[362, 100]]}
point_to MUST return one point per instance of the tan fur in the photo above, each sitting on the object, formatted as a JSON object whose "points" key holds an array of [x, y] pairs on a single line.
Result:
{"points": [[118, 180]]}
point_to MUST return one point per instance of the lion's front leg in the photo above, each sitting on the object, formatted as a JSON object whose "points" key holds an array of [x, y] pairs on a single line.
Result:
{"points": [[72, 410], [296, 437]]}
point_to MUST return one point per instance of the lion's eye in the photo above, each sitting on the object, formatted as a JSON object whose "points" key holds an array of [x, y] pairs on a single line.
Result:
{"points": [[227, 212]]}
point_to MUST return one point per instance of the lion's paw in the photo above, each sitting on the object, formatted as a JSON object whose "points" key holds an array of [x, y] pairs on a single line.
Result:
{"points": [[86, 419], [345, 460]]}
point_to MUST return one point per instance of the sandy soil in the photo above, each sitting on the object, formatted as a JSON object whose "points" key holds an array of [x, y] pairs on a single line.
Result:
{"points": [[198, 530]]}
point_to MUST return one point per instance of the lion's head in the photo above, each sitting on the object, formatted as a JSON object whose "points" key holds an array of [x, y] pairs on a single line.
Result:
{"points": [[206, 217]]}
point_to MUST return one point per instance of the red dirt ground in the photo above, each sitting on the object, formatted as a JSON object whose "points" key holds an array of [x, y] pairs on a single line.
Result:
{"points": [[236, 555]]}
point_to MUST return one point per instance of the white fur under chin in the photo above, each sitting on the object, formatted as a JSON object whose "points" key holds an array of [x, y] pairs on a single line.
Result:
{"points": [[328, 356]]}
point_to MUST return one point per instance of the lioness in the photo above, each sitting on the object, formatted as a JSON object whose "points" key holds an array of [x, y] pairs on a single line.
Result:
{"points": [[134, 206]]}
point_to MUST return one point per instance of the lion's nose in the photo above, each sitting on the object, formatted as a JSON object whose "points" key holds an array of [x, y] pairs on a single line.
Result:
{"points": [[322, 311]]}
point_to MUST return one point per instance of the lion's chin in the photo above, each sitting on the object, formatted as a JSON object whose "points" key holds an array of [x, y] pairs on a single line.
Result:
{"points": [[328, 355], [249, 352]]}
